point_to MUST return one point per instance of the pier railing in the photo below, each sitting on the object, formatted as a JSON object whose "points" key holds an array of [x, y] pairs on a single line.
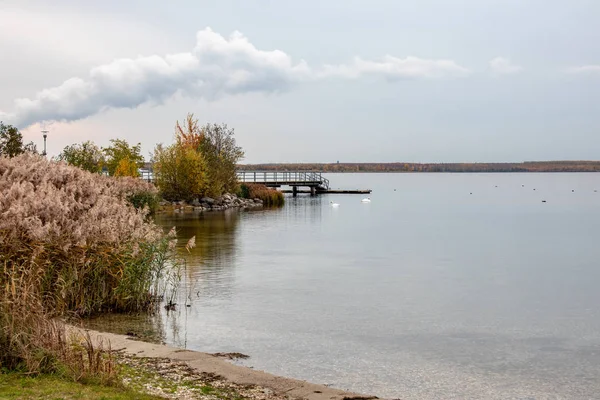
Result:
{"points": [[284, 178]]}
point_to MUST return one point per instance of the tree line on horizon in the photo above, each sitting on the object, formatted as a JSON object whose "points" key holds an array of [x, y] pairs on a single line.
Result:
{"points": [[527, 166]]}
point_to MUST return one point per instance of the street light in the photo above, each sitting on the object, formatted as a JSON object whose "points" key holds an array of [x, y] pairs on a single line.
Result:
{"points": [[45, 133]]}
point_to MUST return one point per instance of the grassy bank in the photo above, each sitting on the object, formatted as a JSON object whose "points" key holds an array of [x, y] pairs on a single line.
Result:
{"points": [[19, 386]]}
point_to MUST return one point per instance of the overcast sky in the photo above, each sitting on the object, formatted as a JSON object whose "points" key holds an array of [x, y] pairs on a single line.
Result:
{"points": [[311, 80]]}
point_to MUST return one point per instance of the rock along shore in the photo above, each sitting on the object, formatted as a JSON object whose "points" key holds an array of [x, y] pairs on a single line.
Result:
{"points": [[221, 203], [263, 385]]}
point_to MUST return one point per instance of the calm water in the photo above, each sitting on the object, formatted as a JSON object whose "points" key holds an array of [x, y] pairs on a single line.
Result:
{"points": [[427, 292]]}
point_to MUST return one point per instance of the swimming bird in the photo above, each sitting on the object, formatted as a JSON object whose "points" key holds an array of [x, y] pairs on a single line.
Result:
{"points": [[334, 204], [366, 200]]}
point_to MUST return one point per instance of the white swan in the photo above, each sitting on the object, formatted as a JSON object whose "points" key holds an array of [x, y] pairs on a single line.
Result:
{"points": [[334, 204], [367, 200]]}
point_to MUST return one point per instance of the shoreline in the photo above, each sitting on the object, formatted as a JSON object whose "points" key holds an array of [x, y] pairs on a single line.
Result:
{"points": [[205, 363], [221, 203]]}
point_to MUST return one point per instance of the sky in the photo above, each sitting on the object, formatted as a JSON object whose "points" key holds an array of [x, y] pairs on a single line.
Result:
{"points": [[311, 80]]}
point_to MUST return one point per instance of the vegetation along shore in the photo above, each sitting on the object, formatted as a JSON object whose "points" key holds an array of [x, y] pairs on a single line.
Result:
{"points": [[77, 240]]}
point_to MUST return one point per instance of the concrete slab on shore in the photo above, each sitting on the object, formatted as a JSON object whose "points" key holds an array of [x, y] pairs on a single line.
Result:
{"points": [[208, 363]]}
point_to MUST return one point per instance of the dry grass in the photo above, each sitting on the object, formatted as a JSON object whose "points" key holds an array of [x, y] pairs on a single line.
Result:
{"points": [[270, 197]]}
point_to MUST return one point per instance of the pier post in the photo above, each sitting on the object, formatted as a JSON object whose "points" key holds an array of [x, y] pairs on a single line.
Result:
{"points": [[313, 191], [294, 191]]}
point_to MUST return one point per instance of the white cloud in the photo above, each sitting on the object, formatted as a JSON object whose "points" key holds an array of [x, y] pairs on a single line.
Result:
{"points": [[503, 66], [217, 66], [394, 68], [585, 69]]}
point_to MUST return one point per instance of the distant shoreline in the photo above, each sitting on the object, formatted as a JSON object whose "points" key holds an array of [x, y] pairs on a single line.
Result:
{"points": [[528, 166]]}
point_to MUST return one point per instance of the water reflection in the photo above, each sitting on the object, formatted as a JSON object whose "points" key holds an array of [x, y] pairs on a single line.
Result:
{"points": [[305, 208], [146, 327], [299, 210], [209, 265]]}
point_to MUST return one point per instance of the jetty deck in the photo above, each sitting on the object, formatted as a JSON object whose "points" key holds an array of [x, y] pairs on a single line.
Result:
{"points": [[314, 181]]}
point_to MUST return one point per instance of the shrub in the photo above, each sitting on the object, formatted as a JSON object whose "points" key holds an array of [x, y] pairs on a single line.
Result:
{"points": [[270, 197], [180, 172], [71, 243], [147, 199]]}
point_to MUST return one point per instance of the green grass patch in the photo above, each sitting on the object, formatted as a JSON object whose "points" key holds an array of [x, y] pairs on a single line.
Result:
{"points": [[18, 386]]}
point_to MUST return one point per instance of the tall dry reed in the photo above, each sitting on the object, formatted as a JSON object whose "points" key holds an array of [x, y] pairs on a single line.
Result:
{"points": [[72, 244]]}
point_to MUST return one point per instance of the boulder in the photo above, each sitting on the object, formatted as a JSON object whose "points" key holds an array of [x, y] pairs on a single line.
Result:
{"points": [[207, 200]]}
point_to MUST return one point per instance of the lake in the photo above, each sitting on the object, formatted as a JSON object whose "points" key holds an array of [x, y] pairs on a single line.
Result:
{"points": [[445, 286]]}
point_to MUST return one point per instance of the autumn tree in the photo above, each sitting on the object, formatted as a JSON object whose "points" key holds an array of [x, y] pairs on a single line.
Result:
{"points": [[11, 142], [86, 156], [189, 132], [202, 161], [123, 159], [180, 172], [222, 154]]}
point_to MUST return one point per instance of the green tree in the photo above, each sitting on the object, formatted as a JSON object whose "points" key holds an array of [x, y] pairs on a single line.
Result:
{"points": [[120, 150], [222, 154], [86, 156], [11, 142], [180, 172]]}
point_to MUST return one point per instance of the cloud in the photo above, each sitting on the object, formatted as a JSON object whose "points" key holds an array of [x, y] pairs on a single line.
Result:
{"points": [[217, 66], [394, 68], [585, 69], [503, 66]]}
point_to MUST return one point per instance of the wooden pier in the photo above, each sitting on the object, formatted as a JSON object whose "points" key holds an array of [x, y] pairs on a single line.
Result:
{"points": [[314, 181]]}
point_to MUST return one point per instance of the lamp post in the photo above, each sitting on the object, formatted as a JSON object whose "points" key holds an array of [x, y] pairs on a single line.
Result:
{"points": [[45, 133]]}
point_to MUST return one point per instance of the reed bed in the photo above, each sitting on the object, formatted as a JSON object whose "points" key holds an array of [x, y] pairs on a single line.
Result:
{"points": [[270, 197], [71, 244]]}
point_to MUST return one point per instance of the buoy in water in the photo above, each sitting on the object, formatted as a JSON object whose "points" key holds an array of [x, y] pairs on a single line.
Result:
{"points": [[543, 201]]}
